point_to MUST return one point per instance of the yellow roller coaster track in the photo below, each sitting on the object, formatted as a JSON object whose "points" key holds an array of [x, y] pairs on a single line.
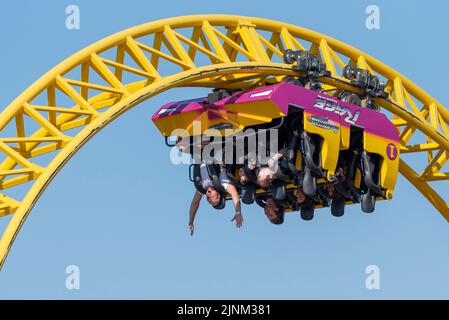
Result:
{"points": [[66, 107]]}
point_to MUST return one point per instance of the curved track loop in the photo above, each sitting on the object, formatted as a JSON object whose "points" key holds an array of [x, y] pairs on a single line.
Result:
{"points": [[66, 107]]}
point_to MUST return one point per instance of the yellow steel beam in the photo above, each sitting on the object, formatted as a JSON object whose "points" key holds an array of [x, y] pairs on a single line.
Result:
{"points": [[327, 55], [101, 68], [72, 93], [140, 57]]}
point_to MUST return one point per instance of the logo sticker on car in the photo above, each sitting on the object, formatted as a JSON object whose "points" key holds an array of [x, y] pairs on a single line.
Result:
{"points": [[392, 152], [324, 123], [332, 106]]}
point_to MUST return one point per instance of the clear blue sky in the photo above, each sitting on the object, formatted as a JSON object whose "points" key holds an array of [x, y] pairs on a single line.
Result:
{"points": [[119, 208]]}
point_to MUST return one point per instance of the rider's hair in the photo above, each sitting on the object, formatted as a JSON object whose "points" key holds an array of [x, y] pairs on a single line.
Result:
{"points": [[280, 219]]}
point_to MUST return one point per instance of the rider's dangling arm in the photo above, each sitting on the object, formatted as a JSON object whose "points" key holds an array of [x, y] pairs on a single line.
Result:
{"points": [[238, 218], [193, 209]]}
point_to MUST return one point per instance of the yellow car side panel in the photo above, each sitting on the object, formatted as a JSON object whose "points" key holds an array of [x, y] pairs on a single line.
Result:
{"points": [[358, 178], [389, 152], [345, 136], [238, 115]]}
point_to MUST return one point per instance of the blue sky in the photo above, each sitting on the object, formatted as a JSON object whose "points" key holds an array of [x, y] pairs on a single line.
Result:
{"points": [[119, 208]]}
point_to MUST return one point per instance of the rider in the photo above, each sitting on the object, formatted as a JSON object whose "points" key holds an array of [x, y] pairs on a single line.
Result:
{"points": [[207, 187], [300, 197], [274, 212], [275, 209], [266, 175]]}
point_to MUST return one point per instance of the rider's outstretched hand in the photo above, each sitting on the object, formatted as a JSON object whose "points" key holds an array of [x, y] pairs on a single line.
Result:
{"points": [[191, 228], [238, 218]]}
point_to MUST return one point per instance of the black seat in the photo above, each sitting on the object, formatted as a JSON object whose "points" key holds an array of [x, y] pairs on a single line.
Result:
{"points": [[249, 192], [286, 171], [371, 172], [249, 188], [196, 179], [294, 151], [312, 163], [278, 190], [371, 177]]}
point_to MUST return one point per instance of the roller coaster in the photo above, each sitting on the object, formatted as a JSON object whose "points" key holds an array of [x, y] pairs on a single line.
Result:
{"points": [[326, 81], [333, 152]]}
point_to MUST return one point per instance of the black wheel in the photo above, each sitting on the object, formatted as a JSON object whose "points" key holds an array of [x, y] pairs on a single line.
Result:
{"points": [[307, 212], [248, 193], [349, 72], [368, 202], [351, 98], [289, 56], [338, 207]]}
